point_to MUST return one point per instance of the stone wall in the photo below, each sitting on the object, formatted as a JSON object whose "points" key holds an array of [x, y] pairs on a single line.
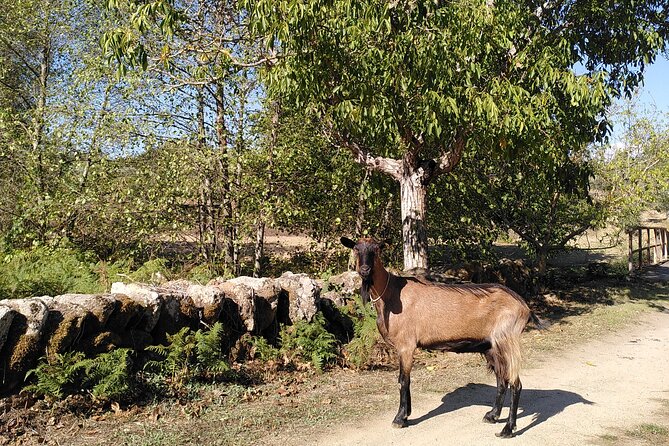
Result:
{"points": [[137, 315]]}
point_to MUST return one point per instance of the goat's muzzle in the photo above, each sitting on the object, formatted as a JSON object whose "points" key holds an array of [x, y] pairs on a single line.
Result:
{"points": [[365, 271]]}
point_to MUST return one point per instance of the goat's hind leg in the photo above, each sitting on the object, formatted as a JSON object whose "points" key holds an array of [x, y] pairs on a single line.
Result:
{"points": [[510, 426], [493, 415]]}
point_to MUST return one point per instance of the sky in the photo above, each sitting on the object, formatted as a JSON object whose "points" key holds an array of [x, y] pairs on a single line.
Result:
{"points": [[656, 85], [653, 99]]}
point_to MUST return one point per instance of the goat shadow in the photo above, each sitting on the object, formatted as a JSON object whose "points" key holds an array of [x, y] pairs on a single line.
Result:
{"points": [[536, 403]]}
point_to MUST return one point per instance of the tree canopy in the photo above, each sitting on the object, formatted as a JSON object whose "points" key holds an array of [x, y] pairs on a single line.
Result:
{"points": [[408, 86]]}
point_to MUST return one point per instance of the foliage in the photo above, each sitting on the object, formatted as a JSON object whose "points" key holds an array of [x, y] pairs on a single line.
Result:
{"points": [[263, 350], [360, 349], [310, 342], [106, 376], [56, 379], [189, 355], [408, 86], [631, 171], [45, 271]]}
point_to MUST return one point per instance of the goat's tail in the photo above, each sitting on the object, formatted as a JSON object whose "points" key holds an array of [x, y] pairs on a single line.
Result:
{"points": [[538, 323], [505, 356]]}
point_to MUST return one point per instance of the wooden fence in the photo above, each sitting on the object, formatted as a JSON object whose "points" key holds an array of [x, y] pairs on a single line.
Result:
{"points": [[650, 250]]}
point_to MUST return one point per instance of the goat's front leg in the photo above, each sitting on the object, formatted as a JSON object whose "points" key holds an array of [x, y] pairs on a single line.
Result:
{"points": [[406, 362]]}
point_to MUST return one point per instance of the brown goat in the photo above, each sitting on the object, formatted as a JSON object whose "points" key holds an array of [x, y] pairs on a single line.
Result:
{"points": [[460, 318]]}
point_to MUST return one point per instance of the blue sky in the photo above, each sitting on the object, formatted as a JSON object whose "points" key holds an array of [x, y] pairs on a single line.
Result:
{"points": [[652, 99], [656, 85]]}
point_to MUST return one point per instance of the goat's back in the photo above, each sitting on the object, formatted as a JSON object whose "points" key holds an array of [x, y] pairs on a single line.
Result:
{"points": [[451, 312]]}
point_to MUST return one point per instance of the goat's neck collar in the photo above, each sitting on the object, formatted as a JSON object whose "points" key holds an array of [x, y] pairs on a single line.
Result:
{"points": [[379, 295]]}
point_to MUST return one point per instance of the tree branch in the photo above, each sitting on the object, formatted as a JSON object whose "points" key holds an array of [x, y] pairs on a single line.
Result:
{"points": [[363, 156], [447, 162]]}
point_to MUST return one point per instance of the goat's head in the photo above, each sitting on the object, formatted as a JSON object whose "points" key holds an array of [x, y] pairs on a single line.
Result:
{"points": [[367, 252]]}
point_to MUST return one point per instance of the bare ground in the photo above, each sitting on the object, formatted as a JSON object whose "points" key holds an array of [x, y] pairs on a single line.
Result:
{"points": [[585, 395]]}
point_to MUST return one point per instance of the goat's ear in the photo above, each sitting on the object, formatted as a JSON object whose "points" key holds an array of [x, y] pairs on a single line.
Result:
{"points": [[347, 242]]}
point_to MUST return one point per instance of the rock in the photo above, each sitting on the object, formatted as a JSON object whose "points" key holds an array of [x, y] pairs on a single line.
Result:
{"points": [[239, 305], [178, 311], [207, 299], [72, 317], [266, 296], [303, 295], [147, 298], [22, 347], [127, 314], [100, 343], [348, 283], [99, 306], [63, 326], [335, 297], [137, 340], [6, 318]]}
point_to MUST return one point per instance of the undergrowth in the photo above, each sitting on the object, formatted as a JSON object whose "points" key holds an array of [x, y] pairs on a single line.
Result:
{"points": [[359, 350], [106, 376], [189, 355], [310, 342], [53, 271]]}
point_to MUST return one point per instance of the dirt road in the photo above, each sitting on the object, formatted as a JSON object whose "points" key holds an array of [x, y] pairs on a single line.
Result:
{"points": [[591, 390]]}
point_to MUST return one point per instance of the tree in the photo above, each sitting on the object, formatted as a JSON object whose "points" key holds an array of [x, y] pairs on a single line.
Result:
{"points": [[632, 173], [202, 53], [408, 86]]}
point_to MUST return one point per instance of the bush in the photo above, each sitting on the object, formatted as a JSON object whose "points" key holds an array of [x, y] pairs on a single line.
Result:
{"points": [[189, 355], [366, 335], [45, 271], [310, 342]]}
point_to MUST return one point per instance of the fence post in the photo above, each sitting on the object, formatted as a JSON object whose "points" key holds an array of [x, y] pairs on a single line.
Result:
{"points": [[640, 248], [630, 253]]}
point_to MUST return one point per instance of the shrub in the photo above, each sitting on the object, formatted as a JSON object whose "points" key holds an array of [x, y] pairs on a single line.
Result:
{"points": [[366, 335], [46, 271], [310, 341], [107, 376], [189, 355]]}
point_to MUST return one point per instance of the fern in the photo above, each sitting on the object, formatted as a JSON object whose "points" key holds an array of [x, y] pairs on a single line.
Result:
{"points": [[263, 349], [58, 378], [108, 376], [366, 335], [311, 342], [210, 358], [175, 357], [190, 355]]}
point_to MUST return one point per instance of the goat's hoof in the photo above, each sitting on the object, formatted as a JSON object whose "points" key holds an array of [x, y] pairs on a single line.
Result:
{"points": [[399, 424], [490, 418], [507, 432]]}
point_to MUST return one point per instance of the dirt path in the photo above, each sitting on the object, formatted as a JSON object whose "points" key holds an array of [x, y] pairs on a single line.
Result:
{"points": [[615, 382]]}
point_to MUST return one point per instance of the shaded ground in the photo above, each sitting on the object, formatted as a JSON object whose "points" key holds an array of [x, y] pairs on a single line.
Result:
{"points": [[656, 273]]}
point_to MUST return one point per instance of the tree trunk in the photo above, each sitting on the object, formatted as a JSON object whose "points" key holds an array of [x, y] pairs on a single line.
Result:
{"points": [[259, 248], [263, 216], [360, 218], [223, 165], [542, 259], [413, 175], [414, 234]]}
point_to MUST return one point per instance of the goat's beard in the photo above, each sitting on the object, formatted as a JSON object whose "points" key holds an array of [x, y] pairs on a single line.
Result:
{"points": [[367, 283]]}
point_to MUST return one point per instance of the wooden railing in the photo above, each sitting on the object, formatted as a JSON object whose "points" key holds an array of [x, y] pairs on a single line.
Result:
{"points": [[650, 251]]}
